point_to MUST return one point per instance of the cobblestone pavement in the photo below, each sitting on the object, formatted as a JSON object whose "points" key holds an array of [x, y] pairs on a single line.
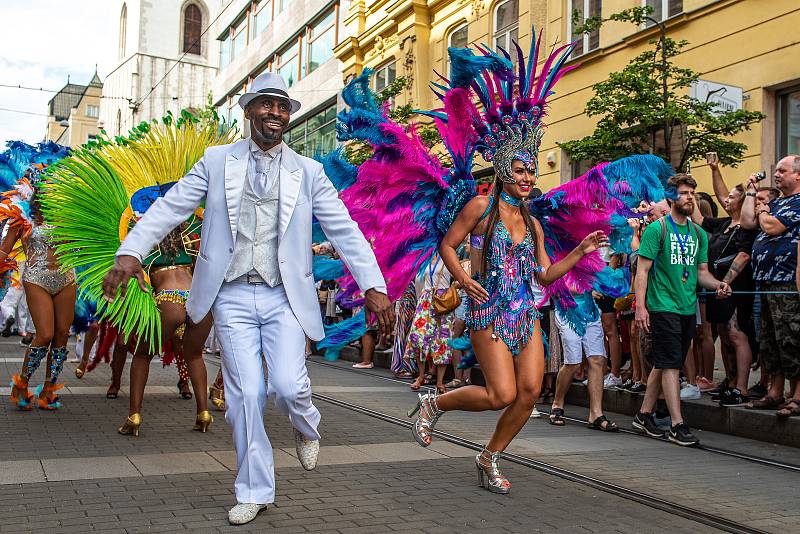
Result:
{"points": [[70, 472]]}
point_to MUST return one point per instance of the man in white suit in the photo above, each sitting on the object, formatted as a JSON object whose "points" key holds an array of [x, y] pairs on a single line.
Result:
{"points": [[254, 274]]}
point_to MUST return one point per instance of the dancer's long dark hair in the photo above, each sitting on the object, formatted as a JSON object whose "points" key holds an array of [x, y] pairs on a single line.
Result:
{"points": [[494, 218]]}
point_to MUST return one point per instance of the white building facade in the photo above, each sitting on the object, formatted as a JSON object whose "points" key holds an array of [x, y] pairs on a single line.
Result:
{"points": [[294, 38], [168, 59]]}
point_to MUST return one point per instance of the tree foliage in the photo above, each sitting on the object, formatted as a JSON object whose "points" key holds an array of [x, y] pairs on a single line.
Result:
{"points": [[359, 152], [639, 113]]}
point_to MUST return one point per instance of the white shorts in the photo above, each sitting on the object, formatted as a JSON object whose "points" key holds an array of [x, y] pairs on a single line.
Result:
{"points": [[592, 342]]}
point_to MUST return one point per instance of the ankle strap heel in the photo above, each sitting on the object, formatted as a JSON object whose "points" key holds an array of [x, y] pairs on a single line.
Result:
{"points": [[489, 476]]}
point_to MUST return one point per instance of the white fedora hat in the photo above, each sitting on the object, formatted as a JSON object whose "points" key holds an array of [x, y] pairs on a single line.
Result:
{"points": [[268, 84]]}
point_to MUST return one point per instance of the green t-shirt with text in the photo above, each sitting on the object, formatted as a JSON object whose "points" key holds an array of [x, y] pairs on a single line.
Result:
{"points": [[666, 289]]}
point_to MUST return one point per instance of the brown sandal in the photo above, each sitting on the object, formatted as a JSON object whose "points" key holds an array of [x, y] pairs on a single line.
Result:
{"points": [[767, 403], [790, 409]]}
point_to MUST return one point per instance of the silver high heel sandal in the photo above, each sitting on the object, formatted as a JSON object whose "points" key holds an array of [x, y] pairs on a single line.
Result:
{"points": [[495, 481], [429, 414]]}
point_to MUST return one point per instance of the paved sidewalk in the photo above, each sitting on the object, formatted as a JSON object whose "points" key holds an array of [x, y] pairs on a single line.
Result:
{"points": [[70, 472]]}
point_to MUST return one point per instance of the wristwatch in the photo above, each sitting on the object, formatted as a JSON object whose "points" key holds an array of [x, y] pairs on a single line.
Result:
{"points": [[749, 194]]}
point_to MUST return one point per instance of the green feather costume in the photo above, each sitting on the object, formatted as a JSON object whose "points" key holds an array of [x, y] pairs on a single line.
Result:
{"points": [[86, 197]]}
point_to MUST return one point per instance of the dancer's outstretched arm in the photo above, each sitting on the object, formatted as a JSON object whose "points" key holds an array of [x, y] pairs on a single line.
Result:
{"points": [[553, 271]]}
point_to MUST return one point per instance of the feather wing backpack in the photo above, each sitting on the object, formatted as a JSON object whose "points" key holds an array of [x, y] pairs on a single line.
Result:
{"points": [[404, 200]]}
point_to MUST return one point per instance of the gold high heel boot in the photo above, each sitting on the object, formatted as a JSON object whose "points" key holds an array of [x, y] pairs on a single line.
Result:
{"points": [[131, 426], [203, 421], [217, 397]]}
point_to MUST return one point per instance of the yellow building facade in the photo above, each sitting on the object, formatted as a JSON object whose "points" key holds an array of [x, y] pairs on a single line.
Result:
{"points": [[74, 113], [741, 45]]}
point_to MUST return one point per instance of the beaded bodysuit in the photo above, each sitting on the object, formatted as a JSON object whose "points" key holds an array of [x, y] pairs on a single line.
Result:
{"points": [[38, 265], [509, 281]]}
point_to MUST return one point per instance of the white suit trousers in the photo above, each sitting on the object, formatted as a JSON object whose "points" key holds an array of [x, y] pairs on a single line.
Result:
{"points": [[251, 320]]}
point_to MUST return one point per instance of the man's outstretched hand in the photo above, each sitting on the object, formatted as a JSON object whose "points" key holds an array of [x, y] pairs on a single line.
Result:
{"points": [[379, 304], [125, 267]]}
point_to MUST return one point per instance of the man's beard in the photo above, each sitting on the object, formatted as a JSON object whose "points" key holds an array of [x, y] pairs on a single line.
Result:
{"points": [[686, 209], [269, 136]]}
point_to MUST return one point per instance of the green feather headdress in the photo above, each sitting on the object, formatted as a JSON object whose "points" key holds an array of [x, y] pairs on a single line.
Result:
{"points": [[85, 195]]}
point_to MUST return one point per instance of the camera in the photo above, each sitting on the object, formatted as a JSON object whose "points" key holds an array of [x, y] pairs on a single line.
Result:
{"points": [[760, 175]]}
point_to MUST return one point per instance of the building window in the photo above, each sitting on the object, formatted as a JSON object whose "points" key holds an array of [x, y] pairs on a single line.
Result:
{"points": [[315, 135], [282, 4], [788, 119], [506, 27], [238, 39], [225, 52], [664, 9], [321, 40], [385, 76], [579, 11], [93, 111], [192, 29], [262, 16], [456, 39], [123, 30], [288, 64]]}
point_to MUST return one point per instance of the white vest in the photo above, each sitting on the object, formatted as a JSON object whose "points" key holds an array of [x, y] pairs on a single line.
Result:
{"points": [[257, 236]]}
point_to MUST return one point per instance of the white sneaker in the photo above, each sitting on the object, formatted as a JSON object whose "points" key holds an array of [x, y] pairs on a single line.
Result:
{"points": [[690, 392], [244, 513], [535, 414], [307, 450], [611, 381]]}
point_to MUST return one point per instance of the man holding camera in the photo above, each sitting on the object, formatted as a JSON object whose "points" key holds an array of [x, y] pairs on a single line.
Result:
{"points": [[774, 260]]}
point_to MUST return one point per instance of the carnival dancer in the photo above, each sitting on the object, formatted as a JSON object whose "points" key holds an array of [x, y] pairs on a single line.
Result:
{"points": [[170, 271], [253, 271], [502, 317], [49, 289]]}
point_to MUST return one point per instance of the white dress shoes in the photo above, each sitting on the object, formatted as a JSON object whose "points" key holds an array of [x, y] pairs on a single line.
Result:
{"points": [[307, 450], [244, 512]]}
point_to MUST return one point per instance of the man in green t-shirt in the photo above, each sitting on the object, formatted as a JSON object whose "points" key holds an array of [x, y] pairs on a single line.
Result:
{"points": [[673, 261]]}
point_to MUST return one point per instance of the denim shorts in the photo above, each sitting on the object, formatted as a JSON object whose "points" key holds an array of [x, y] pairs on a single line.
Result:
{"points": [[461, 311]]}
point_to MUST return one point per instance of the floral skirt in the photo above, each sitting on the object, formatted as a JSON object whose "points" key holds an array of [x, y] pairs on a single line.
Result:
{"points": [[429, 333]]}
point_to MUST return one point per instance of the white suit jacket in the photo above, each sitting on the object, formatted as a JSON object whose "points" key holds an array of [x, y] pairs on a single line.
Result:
{"points": [[219, 178]]}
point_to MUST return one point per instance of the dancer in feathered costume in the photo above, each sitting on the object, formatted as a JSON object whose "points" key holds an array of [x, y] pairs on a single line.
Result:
{"points": [[116, 182], [408, 205], [49, 288]]}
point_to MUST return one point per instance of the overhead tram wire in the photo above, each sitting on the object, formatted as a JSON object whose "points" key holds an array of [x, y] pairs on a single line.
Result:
{"points": [[9, 110], [42, 89]]}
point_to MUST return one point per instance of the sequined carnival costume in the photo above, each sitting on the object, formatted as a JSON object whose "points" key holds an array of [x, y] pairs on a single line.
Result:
{"points": [[19, 211], [509, 280]]}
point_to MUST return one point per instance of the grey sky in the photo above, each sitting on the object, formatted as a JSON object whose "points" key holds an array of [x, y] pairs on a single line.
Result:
{"points": [[43, 42]]}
